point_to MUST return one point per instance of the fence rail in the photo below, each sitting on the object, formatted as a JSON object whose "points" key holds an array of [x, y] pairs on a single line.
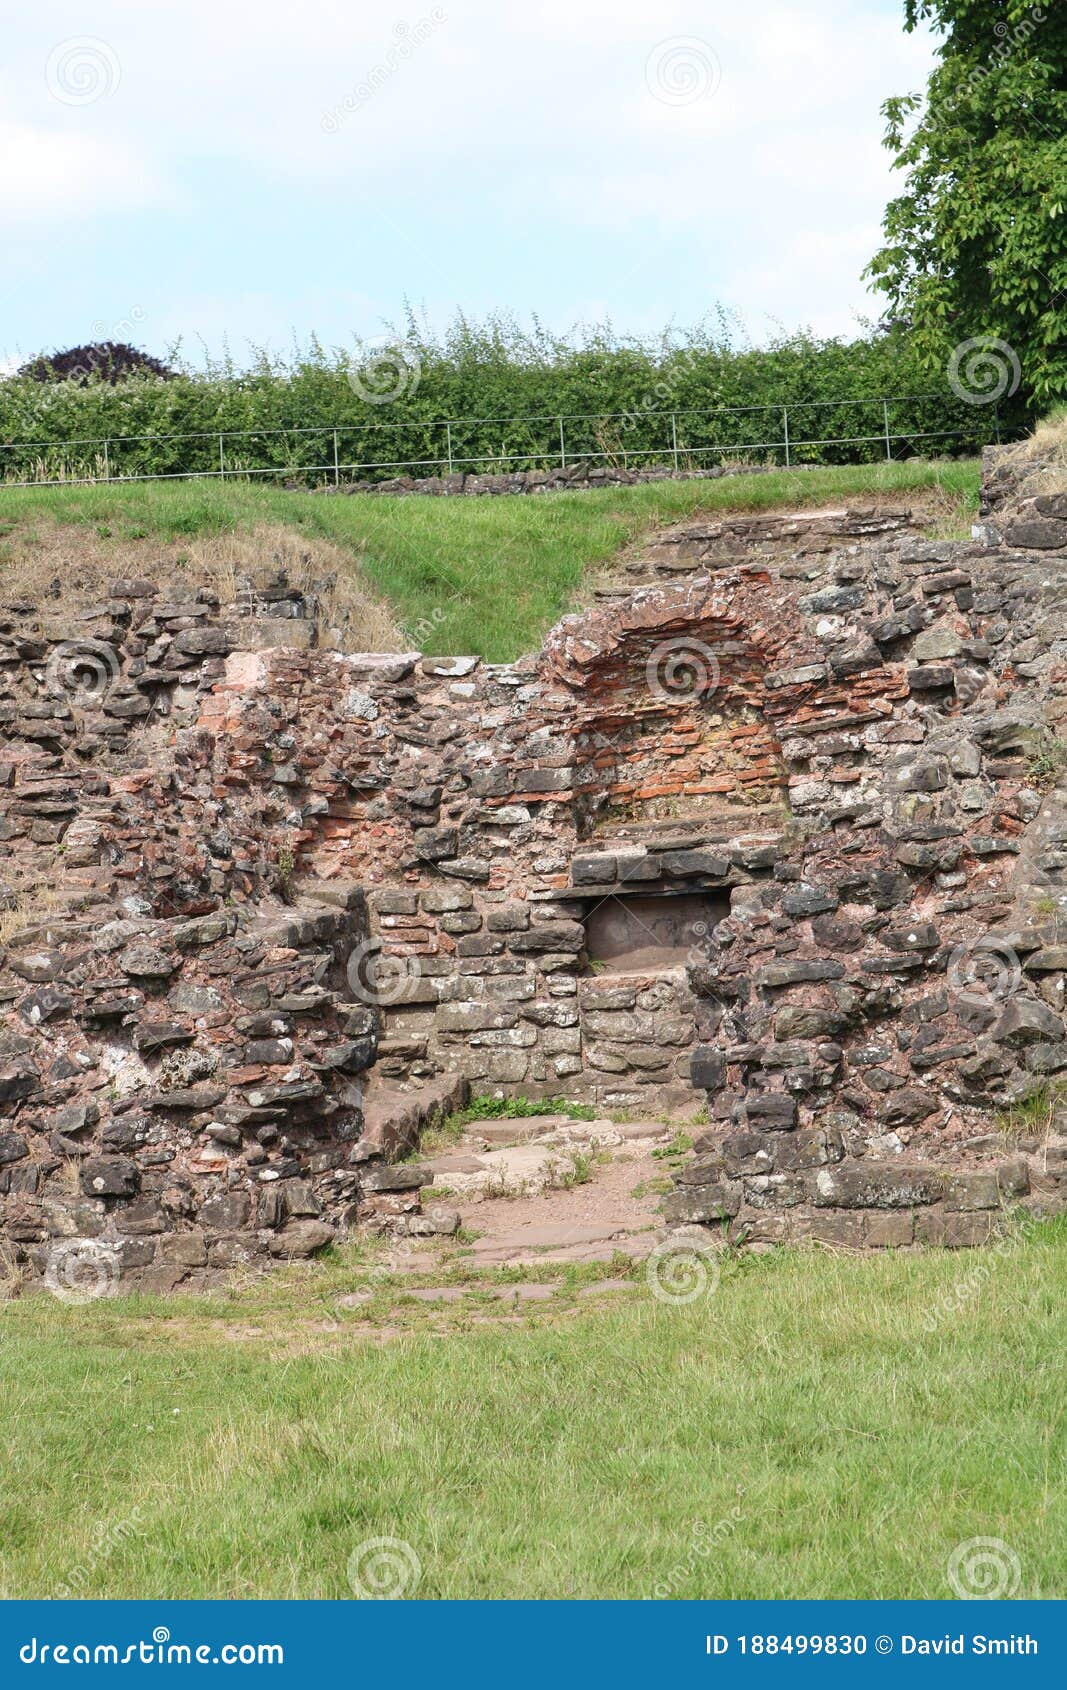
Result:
{"points": [[685, 441]]}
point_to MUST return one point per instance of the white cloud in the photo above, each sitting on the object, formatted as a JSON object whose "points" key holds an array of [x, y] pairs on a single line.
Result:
{"points": [[52, 175]]}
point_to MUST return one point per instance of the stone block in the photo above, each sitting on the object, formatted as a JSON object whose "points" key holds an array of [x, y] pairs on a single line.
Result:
{"points": [[955, 1231], [475, 1017], [892, 1230], [183, 1249], [228, 1212], [701, 1204], [1013, 1177], [876, 1185], [802, 972], [395, 1176], [301, 1239], [509, 918], [562, 936], [772, 1111], [444, 900], [978, 1190], [109, 1176]]}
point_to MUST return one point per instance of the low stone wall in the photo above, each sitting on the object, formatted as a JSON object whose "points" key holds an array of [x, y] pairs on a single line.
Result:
{"points": [[563, 478]]}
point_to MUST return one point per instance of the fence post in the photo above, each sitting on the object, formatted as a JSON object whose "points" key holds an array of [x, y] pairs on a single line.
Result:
{"points": [[885, 420], [562, 447], [674, 440], [785, 432], [107, 463], [336, 464], [448, 438], [222, 460]]}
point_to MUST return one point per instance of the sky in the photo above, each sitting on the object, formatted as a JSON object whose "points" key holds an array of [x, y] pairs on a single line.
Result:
{"points": [[221, 170]]}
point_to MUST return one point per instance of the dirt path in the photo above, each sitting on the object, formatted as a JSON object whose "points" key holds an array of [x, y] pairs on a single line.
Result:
{"points": [[550, 1189]]}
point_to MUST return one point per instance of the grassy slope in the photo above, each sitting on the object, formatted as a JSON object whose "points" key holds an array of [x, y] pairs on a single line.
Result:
{"points": [[499, 571], [566, 1455]]}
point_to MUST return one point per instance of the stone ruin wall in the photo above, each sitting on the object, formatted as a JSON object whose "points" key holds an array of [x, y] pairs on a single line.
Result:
{"points": [[301, 877], [560, 478]]}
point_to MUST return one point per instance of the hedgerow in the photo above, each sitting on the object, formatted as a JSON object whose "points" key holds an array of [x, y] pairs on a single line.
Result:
{"points": [[625, 400]]}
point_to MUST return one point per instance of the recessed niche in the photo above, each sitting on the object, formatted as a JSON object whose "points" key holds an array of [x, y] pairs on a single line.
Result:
{"points": [[646, 932]]}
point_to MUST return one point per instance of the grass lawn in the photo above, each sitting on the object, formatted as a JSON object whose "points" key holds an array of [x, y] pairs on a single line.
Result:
{"points": [[819, 1426], [483, 575]]}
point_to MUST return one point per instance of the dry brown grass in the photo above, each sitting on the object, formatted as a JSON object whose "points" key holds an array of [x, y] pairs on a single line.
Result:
{"points": [[61, 568], [945, 516], [1040, 461], [30, 905], [31, 898]]}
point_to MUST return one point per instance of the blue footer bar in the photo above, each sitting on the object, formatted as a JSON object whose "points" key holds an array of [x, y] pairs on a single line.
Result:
{"points": [[549, 1645]]}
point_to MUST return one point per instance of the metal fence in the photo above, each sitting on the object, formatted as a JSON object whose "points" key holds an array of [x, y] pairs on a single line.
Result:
{"points": [[680, 439]]}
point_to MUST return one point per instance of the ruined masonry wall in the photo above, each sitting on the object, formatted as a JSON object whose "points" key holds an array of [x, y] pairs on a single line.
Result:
{"points": [[249, 881]]}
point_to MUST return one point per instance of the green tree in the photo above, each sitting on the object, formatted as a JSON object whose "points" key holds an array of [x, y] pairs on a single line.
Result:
{"points": [[976, 245]]}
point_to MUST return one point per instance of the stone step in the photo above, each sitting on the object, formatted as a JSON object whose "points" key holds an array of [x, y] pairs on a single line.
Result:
{"points": [[564, 1241], [394, 1120]]}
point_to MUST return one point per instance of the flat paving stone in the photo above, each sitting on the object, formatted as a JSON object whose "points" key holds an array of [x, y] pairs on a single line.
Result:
{"points": [[607, 1285], [554, 1235], [525, 1293], [518, 1131], [562, 1243]]}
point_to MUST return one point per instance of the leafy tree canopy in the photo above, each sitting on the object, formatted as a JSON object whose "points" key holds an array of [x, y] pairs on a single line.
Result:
{"points": [[976, 245], [107, 360]]}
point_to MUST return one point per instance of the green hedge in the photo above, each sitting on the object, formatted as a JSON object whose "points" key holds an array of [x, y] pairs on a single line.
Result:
{"points": [[490, 375]]}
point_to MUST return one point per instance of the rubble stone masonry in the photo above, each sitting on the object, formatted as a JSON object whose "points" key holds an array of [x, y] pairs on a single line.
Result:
{"points": [[248, 879]]}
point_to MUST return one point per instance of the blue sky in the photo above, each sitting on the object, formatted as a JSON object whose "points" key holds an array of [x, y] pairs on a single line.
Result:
{"points": [[208, 169]]}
